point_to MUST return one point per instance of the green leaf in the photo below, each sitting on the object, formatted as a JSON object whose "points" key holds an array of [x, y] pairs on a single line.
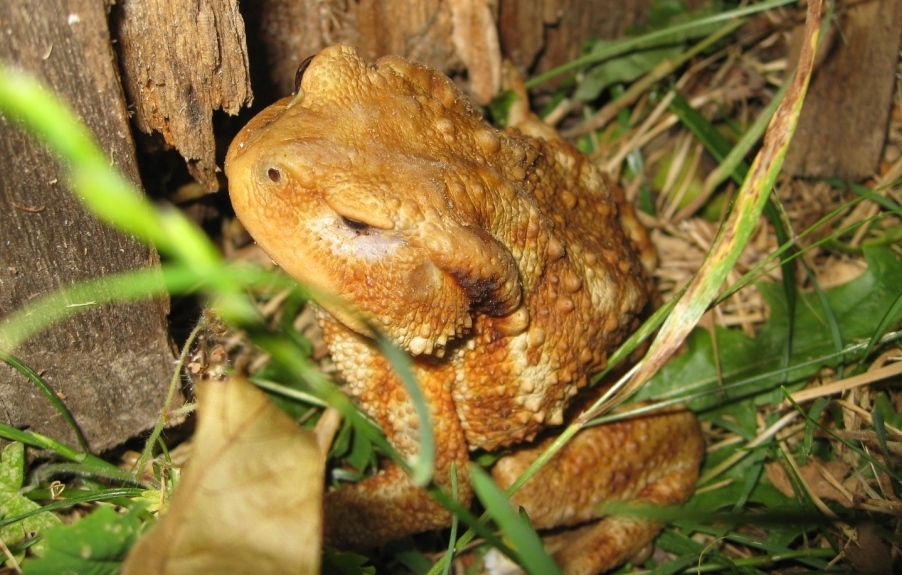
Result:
{"points": [[662, 12], [345, 563], [12, 466], [884, 405], [95, 545], [353, 448], [751, 360], [622, 70], [406, 555], [500, 106], [41, 384], [13, 502]]}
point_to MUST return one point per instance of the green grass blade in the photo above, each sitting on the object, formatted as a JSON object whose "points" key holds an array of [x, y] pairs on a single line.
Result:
{"points": [[41, 442], [452, 537], [664, 36], [888, 319], [104, 473], [866, 456], [732, 164], [70, 500], [24, 323], [165, 415], [528, 548], [47, 392]]}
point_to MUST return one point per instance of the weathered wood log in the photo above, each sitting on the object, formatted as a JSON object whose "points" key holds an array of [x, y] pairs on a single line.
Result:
{"points": [[111, 364], [842, 129], [541, 34], [452, 35], [181, 61]]}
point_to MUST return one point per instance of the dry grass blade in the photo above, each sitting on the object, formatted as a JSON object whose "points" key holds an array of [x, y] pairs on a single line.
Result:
{"points": [[735, 232], [843, 385]]}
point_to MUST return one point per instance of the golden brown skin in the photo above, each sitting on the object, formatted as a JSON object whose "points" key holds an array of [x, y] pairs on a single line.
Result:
{"points": [[499, 261]]}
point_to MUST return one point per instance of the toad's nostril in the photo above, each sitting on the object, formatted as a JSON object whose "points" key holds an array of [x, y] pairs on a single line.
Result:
{"points": [[274, 174]]}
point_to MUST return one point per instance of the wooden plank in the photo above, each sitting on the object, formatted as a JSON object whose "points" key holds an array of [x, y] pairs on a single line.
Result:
{"points": [[110, 364], [842, 128]]}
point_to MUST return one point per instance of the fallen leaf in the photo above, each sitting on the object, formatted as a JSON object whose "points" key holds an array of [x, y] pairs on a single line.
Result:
{"points": [[13, 502], [735, 357], [868, 552], [813, 475], [93, 545], [249, 501]]}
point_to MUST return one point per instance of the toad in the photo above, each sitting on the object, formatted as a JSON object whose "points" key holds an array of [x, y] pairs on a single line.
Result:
{"points": [[504, 264]]}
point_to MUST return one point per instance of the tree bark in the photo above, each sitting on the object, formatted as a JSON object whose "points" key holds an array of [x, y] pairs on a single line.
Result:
{"points": [[111, 364], [180, 62], [451, 35], [541, 34]]}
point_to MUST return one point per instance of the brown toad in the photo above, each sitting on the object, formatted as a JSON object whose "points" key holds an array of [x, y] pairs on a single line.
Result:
{"points": [[505, 265]]}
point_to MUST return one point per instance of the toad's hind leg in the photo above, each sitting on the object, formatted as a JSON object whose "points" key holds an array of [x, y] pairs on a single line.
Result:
{"points": [[651, 459]]}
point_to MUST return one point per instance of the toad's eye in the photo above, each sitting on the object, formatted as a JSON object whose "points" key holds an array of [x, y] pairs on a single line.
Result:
{"points": [[299, 75], [355, 225]]}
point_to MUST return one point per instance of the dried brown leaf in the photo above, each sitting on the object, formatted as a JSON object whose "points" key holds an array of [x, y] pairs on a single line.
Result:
{"points": [[816, 476], [868, 552], [250, 500]]}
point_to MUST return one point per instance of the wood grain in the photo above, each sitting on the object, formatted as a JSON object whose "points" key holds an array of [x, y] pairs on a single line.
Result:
{"points": [[180, 62], [110, 364], [843, 125], [451, 35]]}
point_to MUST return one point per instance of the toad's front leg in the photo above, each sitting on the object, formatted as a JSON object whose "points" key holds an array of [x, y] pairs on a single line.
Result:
{"points": [[652, 459], [389, 506]]}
